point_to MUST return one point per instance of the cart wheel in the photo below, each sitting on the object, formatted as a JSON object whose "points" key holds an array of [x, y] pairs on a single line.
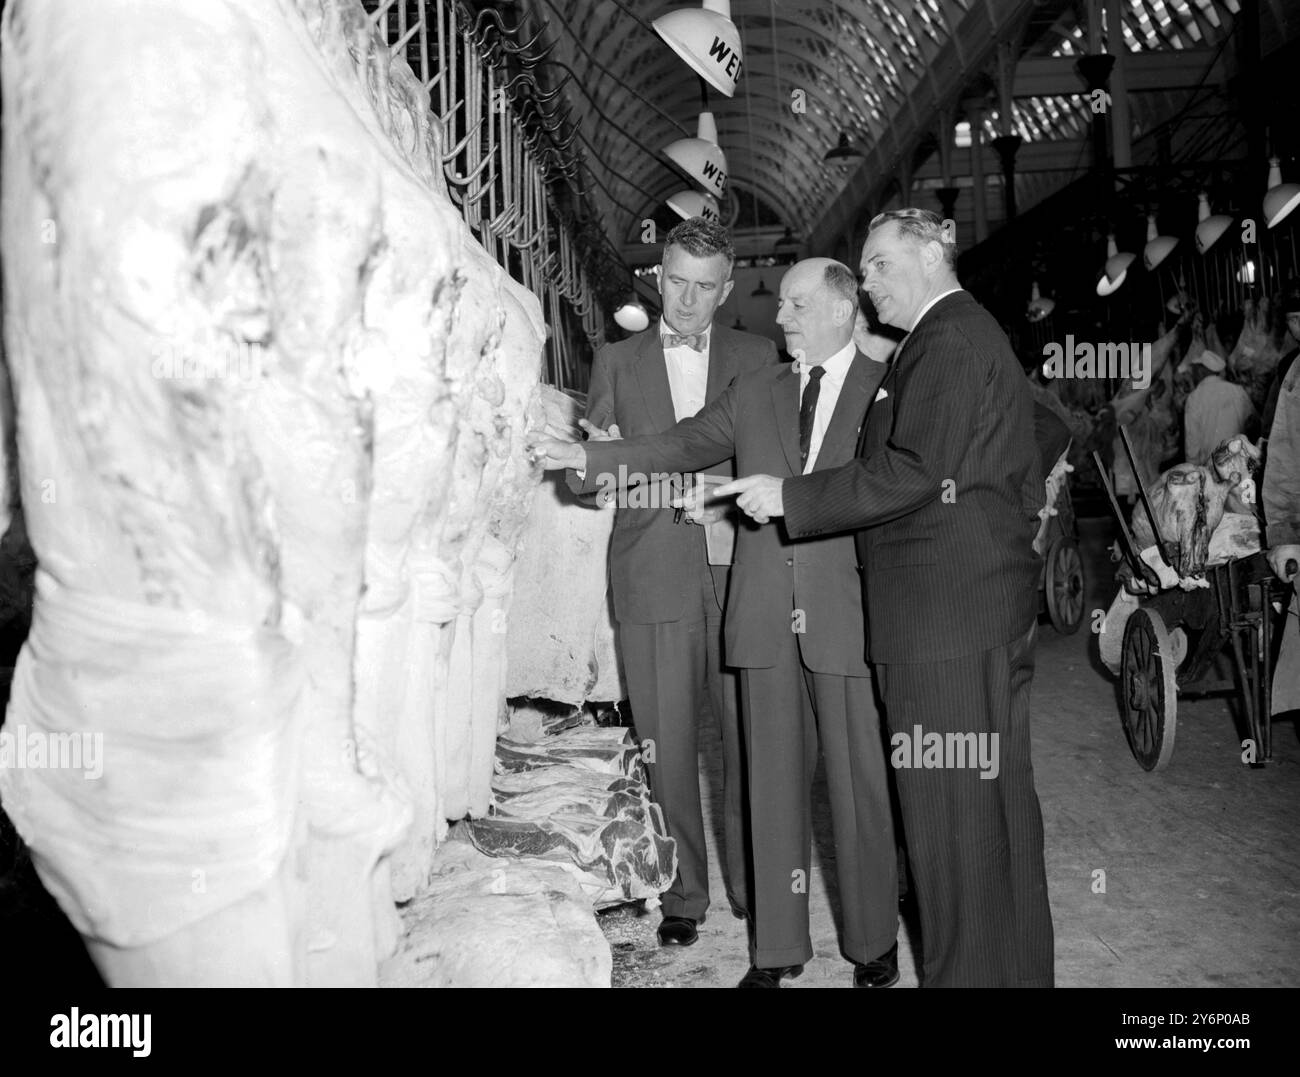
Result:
{"points": [[1149, 693], [1063, 585]]}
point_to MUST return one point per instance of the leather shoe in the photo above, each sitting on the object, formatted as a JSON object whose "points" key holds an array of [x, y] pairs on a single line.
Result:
{"points": [[757, 977], [737, 909], [677, 931], [882, 972]]}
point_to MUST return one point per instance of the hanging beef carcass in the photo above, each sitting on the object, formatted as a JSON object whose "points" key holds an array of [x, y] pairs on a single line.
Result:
{"points": [[1256, 353], [1145, 407], [271, 403]]}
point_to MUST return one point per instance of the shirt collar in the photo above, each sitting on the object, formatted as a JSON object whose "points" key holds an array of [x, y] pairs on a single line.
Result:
{"points": [[836, 366], [930, 304]]}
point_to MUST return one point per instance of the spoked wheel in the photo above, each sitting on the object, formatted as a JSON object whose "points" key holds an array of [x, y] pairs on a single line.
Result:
{"points": [[1063, 585], [1149, 693]]}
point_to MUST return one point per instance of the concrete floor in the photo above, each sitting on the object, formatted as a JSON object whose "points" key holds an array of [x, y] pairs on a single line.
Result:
{"points": [[1202, 869]]}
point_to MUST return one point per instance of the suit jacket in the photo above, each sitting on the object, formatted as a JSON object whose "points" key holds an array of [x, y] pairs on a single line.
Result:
{"points": [[757, 420], [943, 493], [629, 386]]}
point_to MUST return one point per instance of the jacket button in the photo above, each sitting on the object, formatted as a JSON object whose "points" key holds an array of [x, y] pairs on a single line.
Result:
{"points": [[790, 561]]}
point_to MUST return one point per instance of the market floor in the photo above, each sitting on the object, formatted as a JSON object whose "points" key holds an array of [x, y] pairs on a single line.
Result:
{"points": [[1184, 877]]}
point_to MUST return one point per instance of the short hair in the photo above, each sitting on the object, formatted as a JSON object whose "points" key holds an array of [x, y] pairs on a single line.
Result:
{"points": [[702, 239], [840, 282], [922, 226]]}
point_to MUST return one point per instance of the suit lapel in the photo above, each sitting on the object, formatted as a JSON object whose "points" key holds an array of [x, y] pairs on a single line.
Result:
{"points": [[652, 376], [722, 362], [880, 409], [895, 363], [785, 403], [884, 411], [847, 420]]}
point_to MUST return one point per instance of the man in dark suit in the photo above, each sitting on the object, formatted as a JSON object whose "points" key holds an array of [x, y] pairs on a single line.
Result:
{"points": [[668, 598], [794, 625], [941, 497]]}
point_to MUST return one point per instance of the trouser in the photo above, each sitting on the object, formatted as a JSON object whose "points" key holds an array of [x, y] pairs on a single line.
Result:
{"points": [[974, 844], [1286, 675], [786, 710], [675, 678]]}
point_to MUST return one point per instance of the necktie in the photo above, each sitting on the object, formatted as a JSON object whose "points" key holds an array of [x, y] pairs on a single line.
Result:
{"points": [[808, 410], [694, 341]]}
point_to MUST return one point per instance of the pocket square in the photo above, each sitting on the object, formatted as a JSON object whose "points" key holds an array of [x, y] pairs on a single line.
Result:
{"points": [[881, 394]]}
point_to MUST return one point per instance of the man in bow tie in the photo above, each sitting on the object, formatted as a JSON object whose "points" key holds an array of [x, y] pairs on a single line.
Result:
{"points": [[794, 625], [668, 597], [941, 498]]}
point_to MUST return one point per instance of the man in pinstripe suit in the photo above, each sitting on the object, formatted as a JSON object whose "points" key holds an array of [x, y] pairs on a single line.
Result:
{"points": [[942, 495]]}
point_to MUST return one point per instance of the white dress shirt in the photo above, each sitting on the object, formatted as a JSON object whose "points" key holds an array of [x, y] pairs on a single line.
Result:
{"points": [[688, 374], [688, 378], [837, 369]]}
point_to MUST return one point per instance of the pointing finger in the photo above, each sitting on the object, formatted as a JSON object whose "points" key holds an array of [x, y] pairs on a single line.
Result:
{"points": [[735, 486]]}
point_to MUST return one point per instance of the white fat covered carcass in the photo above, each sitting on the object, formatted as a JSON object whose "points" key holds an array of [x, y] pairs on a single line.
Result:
{"points": [[1256, 353], [270, 408]]}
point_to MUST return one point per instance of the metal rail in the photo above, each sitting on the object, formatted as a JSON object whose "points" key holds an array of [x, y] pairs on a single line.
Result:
{"points": [[505, 143]]}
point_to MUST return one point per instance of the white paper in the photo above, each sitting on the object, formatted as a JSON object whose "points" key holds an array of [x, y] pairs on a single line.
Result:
{"points": [[719, 537]]}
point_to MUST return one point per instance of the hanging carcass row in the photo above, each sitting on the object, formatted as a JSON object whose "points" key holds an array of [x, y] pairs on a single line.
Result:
{"points": [[271, 402]]}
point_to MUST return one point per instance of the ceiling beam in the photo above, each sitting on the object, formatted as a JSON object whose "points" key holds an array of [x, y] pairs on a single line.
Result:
{"points": [[953, 68], [1060, 155], [1175, 69], [768, 106]]}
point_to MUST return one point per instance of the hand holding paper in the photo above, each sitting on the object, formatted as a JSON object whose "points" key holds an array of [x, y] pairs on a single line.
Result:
{"points": [[700, 503]]}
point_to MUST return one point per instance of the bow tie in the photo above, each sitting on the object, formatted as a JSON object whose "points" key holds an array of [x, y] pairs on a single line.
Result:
{"points": [[694, 341]]}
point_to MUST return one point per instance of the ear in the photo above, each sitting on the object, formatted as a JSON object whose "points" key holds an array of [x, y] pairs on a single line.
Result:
{"points": [[844, 311], [932, 254], [726, 291]]}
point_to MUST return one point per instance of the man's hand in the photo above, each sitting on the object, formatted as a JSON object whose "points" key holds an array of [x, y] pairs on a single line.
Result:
{"points": [[595, 433], [1278, 556], [554, 454], [759, 496], [697, 512]]}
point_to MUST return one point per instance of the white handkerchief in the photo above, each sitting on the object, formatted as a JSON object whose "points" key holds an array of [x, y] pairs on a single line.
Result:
{"points": [[881, 394]]}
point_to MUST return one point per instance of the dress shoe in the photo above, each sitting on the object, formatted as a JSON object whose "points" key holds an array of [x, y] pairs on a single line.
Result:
{"points": [[757, 977], [737, 909], [882, 972], [677, 931]]}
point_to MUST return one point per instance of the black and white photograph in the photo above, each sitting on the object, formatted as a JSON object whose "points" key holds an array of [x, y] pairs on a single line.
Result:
{"points": [[612, 494]]}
